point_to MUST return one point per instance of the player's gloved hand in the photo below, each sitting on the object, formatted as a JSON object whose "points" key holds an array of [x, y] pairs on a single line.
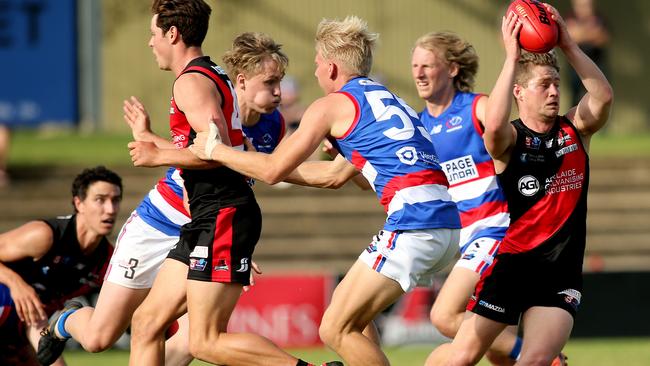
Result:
{"points": [[205, 142]]}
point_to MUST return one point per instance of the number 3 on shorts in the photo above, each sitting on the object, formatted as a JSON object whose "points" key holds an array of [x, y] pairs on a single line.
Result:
{"points": [[130, 269]]}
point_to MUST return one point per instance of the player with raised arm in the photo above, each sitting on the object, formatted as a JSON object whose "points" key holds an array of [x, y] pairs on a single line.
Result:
{"points": [[542, 163]]}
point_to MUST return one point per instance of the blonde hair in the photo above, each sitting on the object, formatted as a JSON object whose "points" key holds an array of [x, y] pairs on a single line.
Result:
{"points": [[528, 60], [248, 52], [349, 42], [452, 48]]}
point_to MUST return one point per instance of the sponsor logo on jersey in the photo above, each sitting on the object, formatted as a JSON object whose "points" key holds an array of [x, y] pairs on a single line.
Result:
{"points": [[178, 140], [492, 307], [563, 138], [243, 265], [454, 123], [533, 142], [566, 180], [199, 252], [407, 155], [198, 264], [528, 185], [566, 150], [221, 265], [267, 138], [460, 169], [531, 158], [428, 158], [218, 69], [436, 129]]}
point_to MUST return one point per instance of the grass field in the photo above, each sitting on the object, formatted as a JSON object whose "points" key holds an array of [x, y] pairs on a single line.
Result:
{"points": [[67, 148], [581, 352]]}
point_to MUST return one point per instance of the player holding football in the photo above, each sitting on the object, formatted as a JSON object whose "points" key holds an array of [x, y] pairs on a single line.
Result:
{"points": [[542, 163], [443, 67], [382, 136]]}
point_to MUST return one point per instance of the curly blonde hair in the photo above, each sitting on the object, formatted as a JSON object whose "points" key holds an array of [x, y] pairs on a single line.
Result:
{"points": [[452, 48], [349, 42], [248, 52]]}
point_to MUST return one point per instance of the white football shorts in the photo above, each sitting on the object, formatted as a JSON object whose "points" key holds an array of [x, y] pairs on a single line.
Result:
{"points": [[479, 255], [411, 257], [139, 253]]}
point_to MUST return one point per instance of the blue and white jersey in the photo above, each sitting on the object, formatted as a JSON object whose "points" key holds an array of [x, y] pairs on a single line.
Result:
{"points": [[162, 208], [393, 151], [267, 133], [457, 136]]}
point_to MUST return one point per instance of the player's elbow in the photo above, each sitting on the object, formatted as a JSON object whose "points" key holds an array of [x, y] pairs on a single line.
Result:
{"points": [[608, 95], [335, 182], [272, 176]]}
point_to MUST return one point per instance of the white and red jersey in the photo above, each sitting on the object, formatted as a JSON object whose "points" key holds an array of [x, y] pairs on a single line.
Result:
{"points": [[393, 151], [457, 136], [162, 208]]}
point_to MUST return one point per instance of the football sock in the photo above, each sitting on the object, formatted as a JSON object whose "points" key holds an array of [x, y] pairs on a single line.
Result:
{"points": [[60, 324], [516, 349]]}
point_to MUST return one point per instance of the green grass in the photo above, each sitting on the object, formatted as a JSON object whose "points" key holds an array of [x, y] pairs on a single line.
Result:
{"points": [[587, 352], [30, 148]]}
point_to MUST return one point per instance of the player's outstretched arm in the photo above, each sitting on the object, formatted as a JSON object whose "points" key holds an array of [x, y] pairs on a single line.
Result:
{"points": [[499, 134], [592, 111], [323, 174], [275, 167]]}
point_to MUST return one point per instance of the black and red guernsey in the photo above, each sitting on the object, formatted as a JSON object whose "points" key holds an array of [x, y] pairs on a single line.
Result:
{"points": [[64, 271], [546, 183], [223, 184]]}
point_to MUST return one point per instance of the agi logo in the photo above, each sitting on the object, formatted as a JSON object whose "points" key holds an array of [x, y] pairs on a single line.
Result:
{"points": [[528, 185]]}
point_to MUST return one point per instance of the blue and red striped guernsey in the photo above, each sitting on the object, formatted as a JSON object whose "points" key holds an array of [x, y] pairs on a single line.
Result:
{"points": [[393, 151], [457, 137]]}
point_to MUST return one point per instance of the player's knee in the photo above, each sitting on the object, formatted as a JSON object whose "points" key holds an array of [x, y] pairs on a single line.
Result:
{"points": [[96, 344], [498, 358], [145, 325], [444, 322], [205, 348], [463, 358], [329, 334]]}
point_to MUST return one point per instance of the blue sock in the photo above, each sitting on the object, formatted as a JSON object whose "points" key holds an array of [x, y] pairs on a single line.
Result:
{"points": [[516, 349], [60, 324]]}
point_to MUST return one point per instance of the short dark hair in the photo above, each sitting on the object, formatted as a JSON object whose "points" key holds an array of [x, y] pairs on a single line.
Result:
{"points": [[528, 60], [91, 175], [190, 17]]}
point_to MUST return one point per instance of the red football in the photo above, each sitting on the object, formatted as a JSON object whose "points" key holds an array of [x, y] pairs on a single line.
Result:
{"points": [[539, 31]]}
